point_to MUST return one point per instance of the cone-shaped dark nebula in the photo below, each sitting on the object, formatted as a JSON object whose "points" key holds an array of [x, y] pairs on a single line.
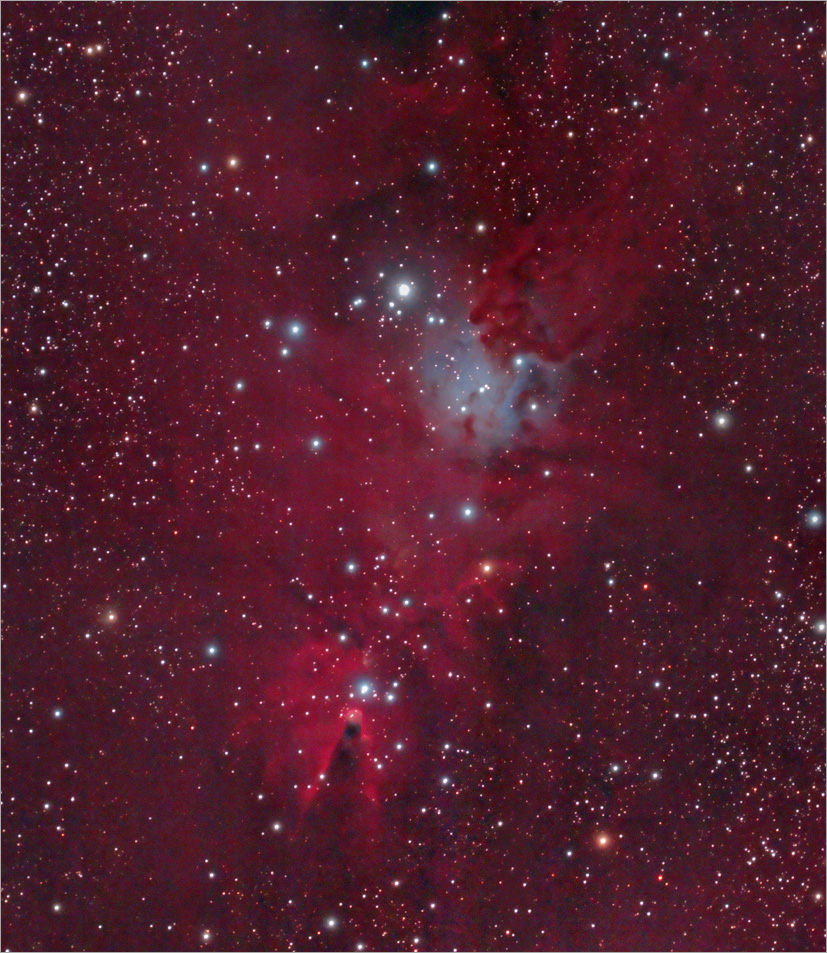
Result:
{"points": [[413, 477]]}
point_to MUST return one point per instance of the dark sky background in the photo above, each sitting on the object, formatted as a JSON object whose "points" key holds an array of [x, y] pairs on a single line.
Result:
{"points": [[413, 427]]}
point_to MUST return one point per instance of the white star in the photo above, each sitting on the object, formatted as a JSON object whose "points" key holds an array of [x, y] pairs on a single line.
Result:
{"points": [[814, 519]]}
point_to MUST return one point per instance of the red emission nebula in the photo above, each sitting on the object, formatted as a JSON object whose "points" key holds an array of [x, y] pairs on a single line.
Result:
{"points": [[413, 478]]}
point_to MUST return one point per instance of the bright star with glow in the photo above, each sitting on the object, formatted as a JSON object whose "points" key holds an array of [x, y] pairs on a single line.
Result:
{"points": [[814, 519]]}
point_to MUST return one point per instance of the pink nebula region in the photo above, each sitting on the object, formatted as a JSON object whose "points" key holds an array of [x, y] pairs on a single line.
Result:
{"points": [[413, 476]]}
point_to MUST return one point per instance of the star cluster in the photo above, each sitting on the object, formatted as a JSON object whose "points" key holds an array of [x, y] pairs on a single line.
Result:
{"points": [[413, 436]]}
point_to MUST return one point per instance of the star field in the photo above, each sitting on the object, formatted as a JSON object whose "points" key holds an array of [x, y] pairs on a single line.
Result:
{"points": [[413, 429]]}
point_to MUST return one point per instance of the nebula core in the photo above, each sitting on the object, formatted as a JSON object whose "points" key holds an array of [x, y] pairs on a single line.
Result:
{"points": [[413, 476]]}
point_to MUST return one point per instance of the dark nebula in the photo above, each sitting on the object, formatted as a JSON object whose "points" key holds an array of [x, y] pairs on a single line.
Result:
{"points": [[413, 476]]}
